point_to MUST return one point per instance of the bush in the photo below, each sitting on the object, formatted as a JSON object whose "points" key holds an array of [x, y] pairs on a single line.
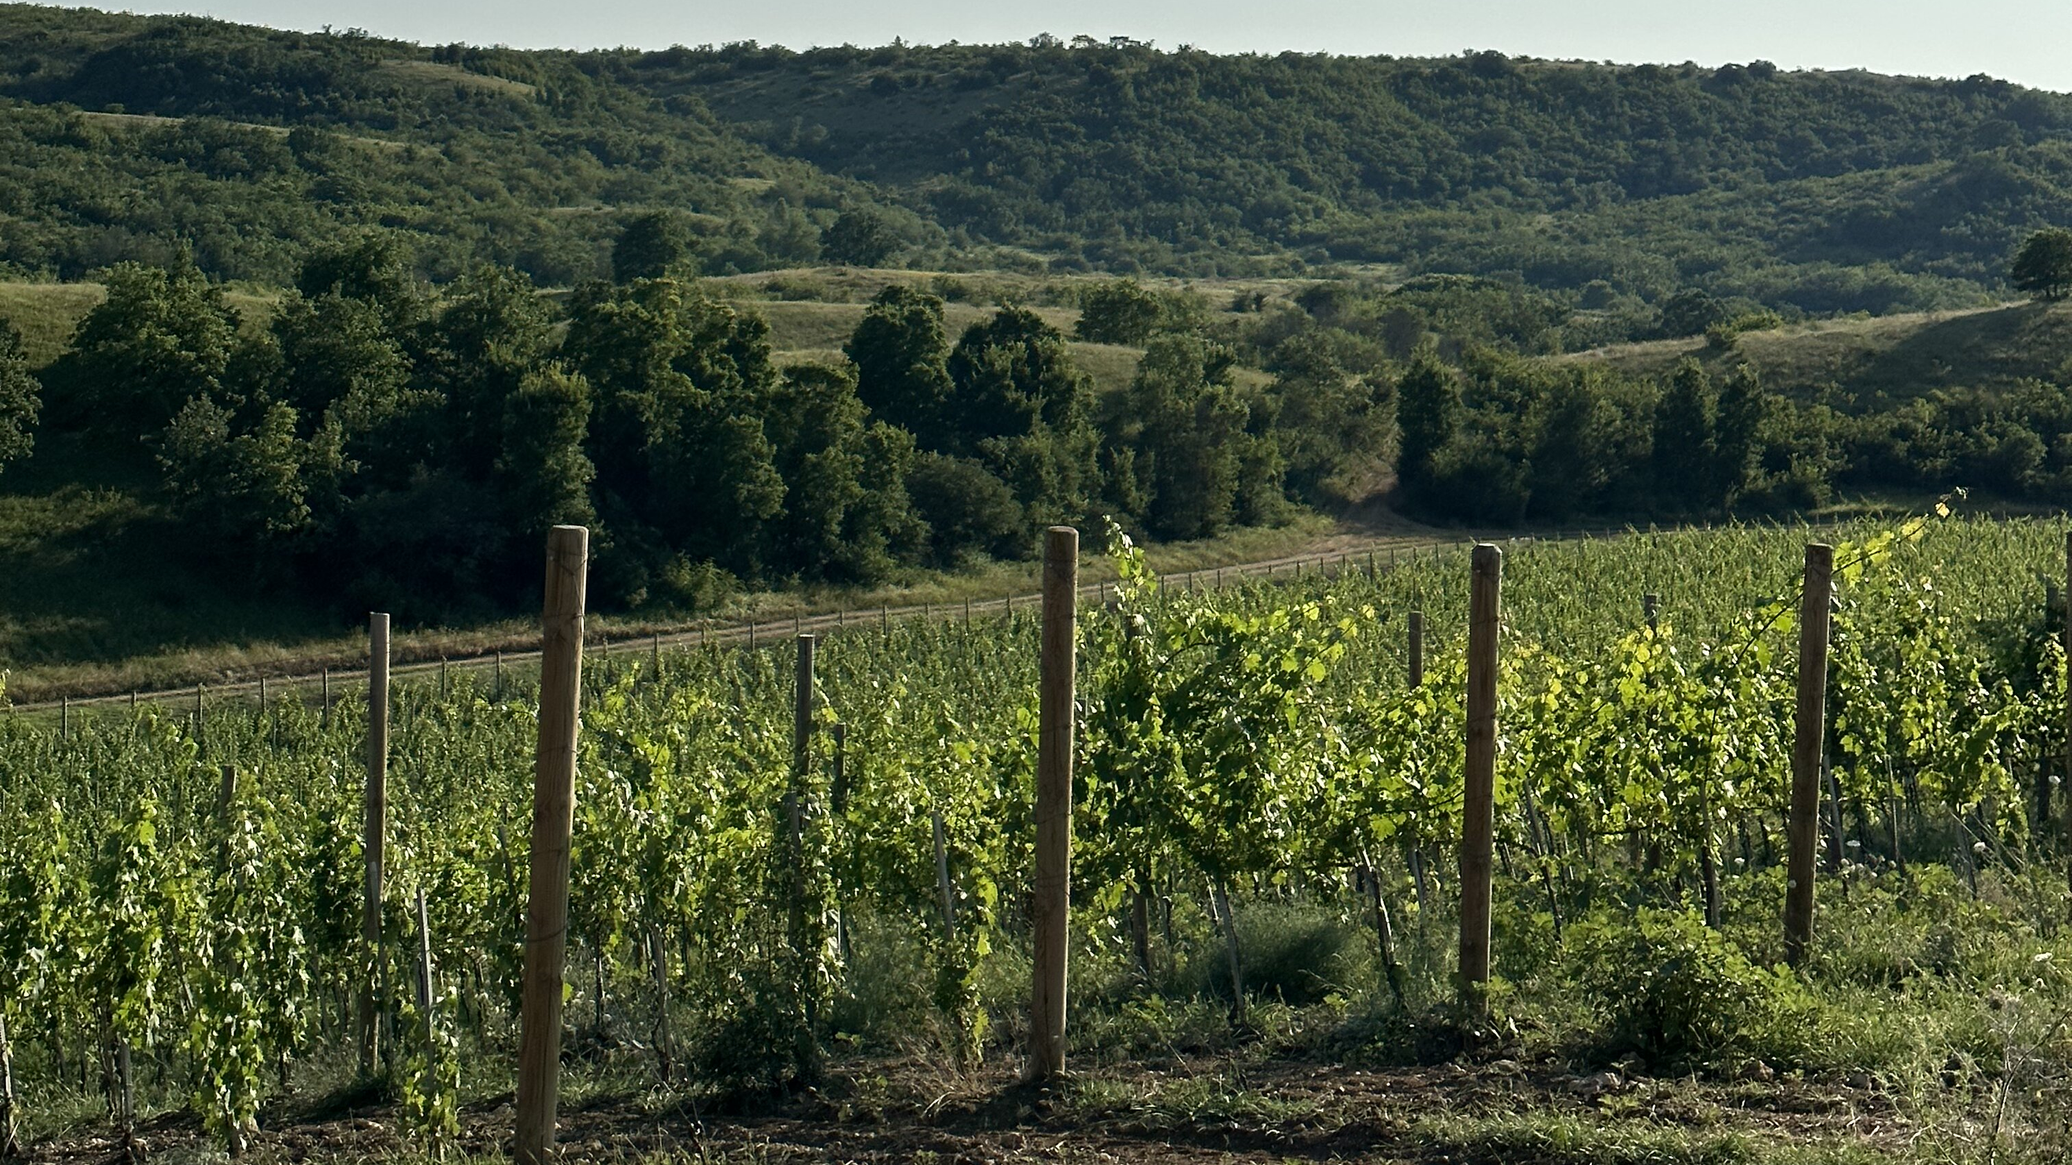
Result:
{"points": [[1297, 955], [1683, 996]]}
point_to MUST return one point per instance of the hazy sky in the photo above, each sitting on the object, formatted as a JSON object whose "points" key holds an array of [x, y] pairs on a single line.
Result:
{"points": [[2021, 40]]}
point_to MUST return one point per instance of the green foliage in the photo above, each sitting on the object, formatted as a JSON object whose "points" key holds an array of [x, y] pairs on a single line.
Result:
{"points": [[1690, 312], [1184, 439], [1024, 412], [20, 398], [650, 246], [862, 238], [1683, 996], [901, 353], [2043, 265], [240, 486], [160, 339], [1428, 404], [1119, 312]]}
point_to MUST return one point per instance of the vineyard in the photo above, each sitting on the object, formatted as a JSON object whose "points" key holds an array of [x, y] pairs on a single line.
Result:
{"points": [[1268, 811]]}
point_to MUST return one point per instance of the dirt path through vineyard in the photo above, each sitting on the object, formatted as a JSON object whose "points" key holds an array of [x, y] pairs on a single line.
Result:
{"points": [[1182, 1109]]}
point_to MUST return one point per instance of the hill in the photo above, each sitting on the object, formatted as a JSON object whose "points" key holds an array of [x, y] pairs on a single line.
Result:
{"points": [[1866, 363], [1815, 193], [125, 137]]}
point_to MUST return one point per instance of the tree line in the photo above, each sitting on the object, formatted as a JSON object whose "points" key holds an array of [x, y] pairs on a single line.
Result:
{"points": [[381, 439]]}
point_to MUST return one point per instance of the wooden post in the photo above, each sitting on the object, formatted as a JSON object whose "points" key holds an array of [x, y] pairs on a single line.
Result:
{"points": [[64, 716], [942, 876], [1809, 735], [327, 698], [802, 713], [665, 1041], [499, 677], [424, 963], [1416, 622], [1478, 818], [10, 1145], [553, 820], [376, 828], [1055, 736], [1649, 603]]}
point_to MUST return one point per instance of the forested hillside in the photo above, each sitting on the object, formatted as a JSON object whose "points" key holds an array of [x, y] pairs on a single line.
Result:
{"points": [[1614, 187], [1815, 191], [130, 138]]}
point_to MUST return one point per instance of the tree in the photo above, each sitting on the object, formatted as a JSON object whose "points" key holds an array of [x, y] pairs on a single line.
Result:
{"points": [[1188, 428], [374, 269], [1122, 311], [493, 331], [542, 474], [245, 487], [1023, 409], [1574, 453], [844, 516], [860, 238], [683, 382], [1685, 448], [1743, 414], [901, 353], [966, 509], [650, 245], [159, 339], [338, 351], [2043, 265], [1428, 408], [19, 398], [1690, 311]]}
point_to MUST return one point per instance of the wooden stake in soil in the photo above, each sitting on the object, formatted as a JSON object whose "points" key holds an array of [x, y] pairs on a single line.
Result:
{"points": [[553, 820], [376, 828], [1809, 732], [424, 964], [665, 1041], [10, 1145], [807, 1055], [1478, 821], [1051, 907], [1416, 624]]}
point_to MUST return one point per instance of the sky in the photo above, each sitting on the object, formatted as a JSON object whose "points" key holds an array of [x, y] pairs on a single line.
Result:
{"points": [[2019, 40]]}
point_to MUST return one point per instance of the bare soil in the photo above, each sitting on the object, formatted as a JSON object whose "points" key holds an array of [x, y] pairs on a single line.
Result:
{"points": [[1176, 1110]]}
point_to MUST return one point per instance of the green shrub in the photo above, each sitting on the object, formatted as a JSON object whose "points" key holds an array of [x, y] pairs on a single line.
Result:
{"points": [[1683, 996]]}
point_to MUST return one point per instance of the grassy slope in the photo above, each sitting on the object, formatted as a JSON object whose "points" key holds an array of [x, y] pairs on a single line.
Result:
{"points": [[1876, 361]]}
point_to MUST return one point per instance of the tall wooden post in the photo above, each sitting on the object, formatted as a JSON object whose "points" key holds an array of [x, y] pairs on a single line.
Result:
{"points": [[1650, 603], [553, 820], [1054, 803], [1417, 649], [376, 833], [1478, 821], [802, 948], [1809, 733]]}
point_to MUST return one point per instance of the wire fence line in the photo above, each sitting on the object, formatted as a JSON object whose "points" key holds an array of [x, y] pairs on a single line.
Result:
{"points": [[1373, 554]]}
